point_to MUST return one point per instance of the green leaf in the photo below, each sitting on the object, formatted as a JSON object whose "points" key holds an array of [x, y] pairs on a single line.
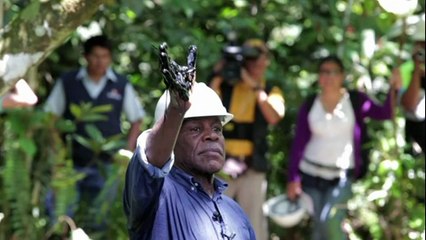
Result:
{"points": [[28, 146], [113, 145], [102, 108], [75, 110], [83, 141], [91, 117], [86, 112], [64, 125], [94, 133], [31, 12]]}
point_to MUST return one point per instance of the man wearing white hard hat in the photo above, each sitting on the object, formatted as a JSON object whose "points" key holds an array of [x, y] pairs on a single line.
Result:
{"points": [[171, 191], [412, 95]]}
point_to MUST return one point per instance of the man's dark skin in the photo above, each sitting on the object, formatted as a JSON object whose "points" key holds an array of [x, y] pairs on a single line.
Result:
{"points": [[411, 97], [198, 143]]}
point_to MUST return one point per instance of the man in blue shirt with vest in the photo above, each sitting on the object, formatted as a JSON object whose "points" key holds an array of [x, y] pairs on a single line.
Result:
{"points": [[171, 191], [99, 85]]}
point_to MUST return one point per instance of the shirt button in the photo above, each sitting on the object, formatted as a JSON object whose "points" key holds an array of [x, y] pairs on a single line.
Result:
{"points": [[193, 188]]}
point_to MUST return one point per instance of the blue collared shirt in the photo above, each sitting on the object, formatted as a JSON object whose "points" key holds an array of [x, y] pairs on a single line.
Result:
{"points": [[171, 204]]}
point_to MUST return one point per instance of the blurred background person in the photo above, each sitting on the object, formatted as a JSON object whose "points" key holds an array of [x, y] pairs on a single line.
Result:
{"points": [[239, 80], [98, 84], [325, 156], [412, 94]]}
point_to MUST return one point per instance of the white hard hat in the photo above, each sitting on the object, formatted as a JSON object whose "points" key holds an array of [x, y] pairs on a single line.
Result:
{"points": [[419, 30], [204, 103], [399, 7], [287, 213]]}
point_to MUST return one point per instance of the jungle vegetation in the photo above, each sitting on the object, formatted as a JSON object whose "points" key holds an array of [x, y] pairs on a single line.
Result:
{"points": [[34, 159]]}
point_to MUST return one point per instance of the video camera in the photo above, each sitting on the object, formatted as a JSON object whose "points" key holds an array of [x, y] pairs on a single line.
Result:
{"points": [[234, 57]]}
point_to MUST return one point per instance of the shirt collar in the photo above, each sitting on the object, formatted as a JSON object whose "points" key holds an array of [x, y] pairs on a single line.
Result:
{"points": [[189, 181], [82, 74]]}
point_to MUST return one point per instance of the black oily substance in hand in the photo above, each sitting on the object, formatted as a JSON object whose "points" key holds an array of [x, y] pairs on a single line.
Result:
{"points": [[178, 78]]}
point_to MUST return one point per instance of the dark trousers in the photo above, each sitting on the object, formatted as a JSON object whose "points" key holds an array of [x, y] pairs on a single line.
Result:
{"points": [[329, 198]]}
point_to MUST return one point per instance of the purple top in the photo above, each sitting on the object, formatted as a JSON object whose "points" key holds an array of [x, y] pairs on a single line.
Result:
{"points": [[368, 108]]}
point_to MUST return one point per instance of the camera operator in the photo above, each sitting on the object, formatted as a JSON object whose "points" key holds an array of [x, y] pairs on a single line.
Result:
{"points": [[240, 82], [412, 99]]}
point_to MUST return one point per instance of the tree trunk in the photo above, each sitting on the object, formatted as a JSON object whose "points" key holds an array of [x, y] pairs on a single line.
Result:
{"points": [[40, 28]]}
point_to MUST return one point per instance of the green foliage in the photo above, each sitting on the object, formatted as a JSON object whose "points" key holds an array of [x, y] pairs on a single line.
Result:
{"points": [[30, 12], [36, 164], [25, 172], [112, 207], [86, 112], [388, 203], [96, 142]]}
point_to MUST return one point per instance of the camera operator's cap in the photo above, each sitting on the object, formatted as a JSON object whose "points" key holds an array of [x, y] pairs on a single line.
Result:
{"points": [[419, 30], [256, 43], [204, 103]]}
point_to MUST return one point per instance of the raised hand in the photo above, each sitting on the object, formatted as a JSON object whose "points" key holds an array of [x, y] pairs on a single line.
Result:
{"points": [[178, 78]]}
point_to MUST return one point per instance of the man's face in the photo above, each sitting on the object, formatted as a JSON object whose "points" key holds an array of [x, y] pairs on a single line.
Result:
{"points": [[98, 60], [199, 148]]}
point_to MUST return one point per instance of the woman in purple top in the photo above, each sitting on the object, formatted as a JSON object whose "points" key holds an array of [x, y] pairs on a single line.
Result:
{"points": [[326, 151]]}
